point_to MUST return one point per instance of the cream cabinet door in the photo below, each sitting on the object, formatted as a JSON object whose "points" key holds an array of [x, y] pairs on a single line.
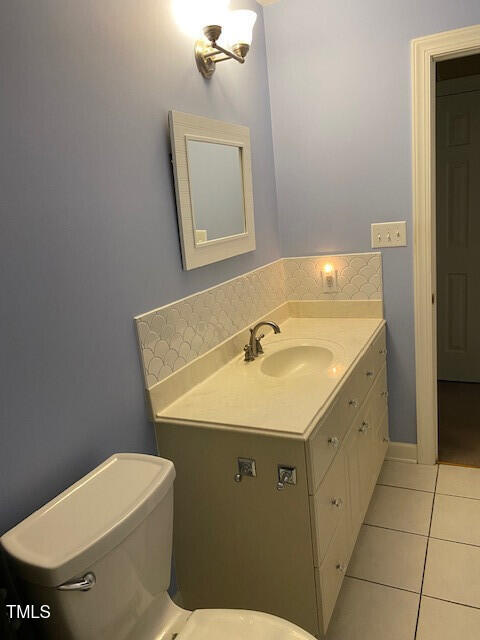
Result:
{"points": [[331, 573], [328, 506], [366, 456], [352, 471]]}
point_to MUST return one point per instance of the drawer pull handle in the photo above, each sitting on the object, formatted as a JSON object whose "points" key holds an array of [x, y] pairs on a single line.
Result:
{"points": [[353, 403], [384, 394], [365, 427], [386, 439], [341, 567], [369, 374], [337, 502], [334, 442]]}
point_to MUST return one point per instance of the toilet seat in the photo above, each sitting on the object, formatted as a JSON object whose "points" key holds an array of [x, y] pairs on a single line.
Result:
{"points": [[238, 624]]}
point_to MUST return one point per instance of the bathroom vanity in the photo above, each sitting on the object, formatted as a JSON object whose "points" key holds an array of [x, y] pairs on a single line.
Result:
{"points": [[276, 463]]}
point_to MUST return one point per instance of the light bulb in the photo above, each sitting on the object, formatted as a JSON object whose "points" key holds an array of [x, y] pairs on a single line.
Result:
{"points": [[193, 15], [238, 27], [215, 12], [328, 268]]}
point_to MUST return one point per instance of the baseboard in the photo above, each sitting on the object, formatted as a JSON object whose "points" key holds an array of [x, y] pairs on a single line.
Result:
{"points": [[402, 452]]}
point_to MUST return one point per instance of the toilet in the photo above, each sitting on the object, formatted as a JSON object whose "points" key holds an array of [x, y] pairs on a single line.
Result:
{"points": [[97, 558]]}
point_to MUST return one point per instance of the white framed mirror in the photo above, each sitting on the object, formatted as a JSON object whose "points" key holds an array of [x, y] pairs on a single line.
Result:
{"points": [[213, 185]]}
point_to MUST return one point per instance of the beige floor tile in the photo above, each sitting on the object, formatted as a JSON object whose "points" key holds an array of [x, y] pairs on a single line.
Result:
{"points": [[441, 620], [456, 519], [367, 611], [459, 481], [408, 476], [400, 509], [389, 557], [452, 572]]}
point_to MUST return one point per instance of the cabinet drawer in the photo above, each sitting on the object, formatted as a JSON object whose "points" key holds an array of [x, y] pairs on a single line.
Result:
{"points": [[328, 506], [323, 445], [332, 572], [374, 358], [327, 438], [378, 351], [378, 399], [365, 428]]}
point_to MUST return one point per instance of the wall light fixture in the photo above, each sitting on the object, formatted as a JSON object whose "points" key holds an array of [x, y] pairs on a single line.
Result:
{"points": [[221, 34], [330, 278]]}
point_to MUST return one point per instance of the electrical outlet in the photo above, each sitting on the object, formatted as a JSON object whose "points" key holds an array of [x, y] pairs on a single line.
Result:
{"points": [[329, 279], [389, 234]]}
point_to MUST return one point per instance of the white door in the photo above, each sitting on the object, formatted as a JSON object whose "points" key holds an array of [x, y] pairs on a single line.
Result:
{"points": [[458, 232]]}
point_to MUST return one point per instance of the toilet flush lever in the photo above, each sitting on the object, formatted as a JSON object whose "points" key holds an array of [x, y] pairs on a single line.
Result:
{"points": [[79, 584]]}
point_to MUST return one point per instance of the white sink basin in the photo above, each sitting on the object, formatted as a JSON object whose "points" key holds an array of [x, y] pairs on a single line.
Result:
{"points": [[297, 360]]}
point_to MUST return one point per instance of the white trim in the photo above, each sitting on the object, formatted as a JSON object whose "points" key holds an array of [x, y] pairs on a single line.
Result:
{"points": [[425, 53], [402, 452]]}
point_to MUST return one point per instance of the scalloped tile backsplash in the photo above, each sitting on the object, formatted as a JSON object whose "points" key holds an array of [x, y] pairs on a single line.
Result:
{"points": [[172, 336], [359, 277]]}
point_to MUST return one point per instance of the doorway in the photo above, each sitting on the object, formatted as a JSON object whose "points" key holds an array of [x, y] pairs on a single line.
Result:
{"points": [[458, 259], [427, 53]]}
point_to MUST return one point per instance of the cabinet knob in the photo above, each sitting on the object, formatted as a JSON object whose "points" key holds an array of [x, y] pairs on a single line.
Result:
{"points": [[353, 403], [365, 427], [383, 352], [384, 394], [334, 442], [341, 567], [337, 502], [369, 374]]}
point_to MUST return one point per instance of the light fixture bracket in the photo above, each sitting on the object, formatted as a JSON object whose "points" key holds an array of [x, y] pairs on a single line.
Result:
{"points": [[205, 64], [207, 54]]}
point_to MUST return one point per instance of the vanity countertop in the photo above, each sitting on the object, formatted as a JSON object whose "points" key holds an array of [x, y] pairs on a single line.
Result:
{"points": [[241, 395]]}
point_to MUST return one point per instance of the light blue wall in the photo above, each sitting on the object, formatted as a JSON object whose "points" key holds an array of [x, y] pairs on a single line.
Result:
{"points": [[88, 231], [339, 75]]}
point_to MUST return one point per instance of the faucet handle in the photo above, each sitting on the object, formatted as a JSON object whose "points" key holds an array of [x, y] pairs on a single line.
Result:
{"points": [[248, 353]]}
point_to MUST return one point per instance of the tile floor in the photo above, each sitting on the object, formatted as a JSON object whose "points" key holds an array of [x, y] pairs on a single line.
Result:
{"points": [[459, 422], [414, 573]]}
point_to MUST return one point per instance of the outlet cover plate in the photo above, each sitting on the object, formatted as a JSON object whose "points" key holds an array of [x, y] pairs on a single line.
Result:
{"points": [[330, 281], [389, 234]]}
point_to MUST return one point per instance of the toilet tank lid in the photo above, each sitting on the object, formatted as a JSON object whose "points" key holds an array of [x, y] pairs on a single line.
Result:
{"points": [[71, 532]]}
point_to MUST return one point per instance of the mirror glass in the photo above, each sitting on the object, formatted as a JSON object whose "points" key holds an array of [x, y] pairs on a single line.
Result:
{"points": [[216, 190]]}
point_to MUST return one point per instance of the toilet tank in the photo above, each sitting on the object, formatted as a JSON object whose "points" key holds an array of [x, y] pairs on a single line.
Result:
{"points": [[112, 528]]}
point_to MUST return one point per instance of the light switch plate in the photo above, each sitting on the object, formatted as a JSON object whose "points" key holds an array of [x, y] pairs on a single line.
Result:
{"points": [[389, 234]]}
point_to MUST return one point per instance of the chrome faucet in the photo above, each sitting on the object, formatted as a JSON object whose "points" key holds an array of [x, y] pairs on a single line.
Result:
{"points": [[254, 347]]}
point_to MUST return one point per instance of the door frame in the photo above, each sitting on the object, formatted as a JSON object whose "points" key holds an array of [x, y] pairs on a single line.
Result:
{"points": [[425, 53]]}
